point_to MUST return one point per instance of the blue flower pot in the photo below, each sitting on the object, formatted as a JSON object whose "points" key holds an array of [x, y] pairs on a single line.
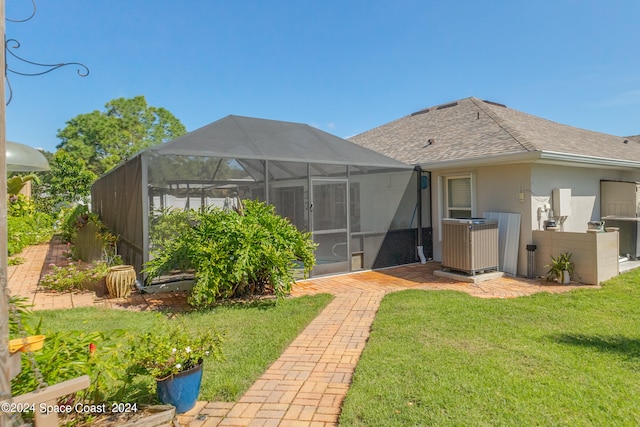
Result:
{"points": [[181, 390]]}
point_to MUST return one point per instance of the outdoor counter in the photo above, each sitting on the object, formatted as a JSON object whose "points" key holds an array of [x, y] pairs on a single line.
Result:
{"points": [[595, 255]]}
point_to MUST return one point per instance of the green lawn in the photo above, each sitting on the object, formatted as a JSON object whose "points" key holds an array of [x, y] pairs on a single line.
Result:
{"points": [[255, 335], [445, 358]]}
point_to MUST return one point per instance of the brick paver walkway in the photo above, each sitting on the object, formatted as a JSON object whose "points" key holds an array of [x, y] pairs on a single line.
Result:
{"points": [[308, 383], [23, 280]]}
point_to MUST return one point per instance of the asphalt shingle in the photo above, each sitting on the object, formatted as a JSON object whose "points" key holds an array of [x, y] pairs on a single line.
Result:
{"points": [[472, 128]]}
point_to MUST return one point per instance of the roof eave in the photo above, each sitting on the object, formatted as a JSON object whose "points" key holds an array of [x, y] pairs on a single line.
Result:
{"points": [[382, 163], [556, 157], [543, 156], [497, 159]]}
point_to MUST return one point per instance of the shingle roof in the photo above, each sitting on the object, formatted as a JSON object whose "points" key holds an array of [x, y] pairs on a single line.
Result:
{"points": [[471, 128]]}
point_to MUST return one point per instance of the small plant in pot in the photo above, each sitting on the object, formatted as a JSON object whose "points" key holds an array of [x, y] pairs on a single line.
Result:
{"points": [[175, 359], [561, 268]]}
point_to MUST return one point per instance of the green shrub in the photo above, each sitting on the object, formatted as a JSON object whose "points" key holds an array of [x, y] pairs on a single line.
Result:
{"points": [[233, 253], [70, 354], [19, 309], [20, 206], [26, 226], [16, 260], [71, 219], [165, 224], [171, 351], [74, 219], [67, 355], [28, 230], [164, 227], [74, 277]]}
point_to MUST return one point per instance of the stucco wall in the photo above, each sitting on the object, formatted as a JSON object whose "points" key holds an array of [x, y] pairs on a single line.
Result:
{"points": [[499, 188], [594, 255], [585, 191]]}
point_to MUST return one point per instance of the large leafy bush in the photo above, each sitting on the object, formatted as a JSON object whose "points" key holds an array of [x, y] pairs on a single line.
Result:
{"points": [[72, 220], [232, 253], [26, 226]]}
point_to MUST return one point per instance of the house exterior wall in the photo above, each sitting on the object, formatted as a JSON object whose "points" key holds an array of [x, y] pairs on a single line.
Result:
{"points": [[585, 192], [499, 188], [585, 195], [495, 189]]}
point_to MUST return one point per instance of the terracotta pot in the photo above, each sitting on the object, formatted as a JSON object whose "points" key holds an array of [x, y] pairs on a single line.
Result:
{"points": [[120, 279], [99, 287]]}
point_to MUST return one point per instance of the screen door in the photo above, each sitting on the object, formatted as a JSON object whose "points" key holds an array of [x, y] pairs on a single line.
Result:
{"points": [[329, 214]]}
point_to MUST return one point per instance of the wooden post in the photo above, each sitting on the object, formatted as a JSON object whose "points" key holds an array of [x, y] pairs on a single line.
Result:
{"points": [[5, 381]]}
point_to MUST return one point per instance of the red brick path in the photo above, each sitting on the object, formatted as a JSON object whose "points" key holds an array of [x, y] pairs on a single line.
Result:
{"points": [[24, 278]]}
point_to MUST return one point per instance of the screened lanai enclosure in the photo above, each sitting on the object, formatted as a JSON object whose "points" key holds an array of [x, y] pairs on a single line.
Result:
{"points": [[360, 206]]}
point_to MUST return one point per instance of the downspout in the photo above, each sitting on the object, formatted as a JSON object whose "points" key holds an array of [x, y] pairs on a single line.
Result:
{"points": [[430, 183], [420, 248]]}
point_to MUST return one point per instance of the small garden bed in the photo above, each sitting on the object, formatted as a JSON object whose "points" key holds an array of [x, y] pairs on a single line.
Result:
{"points": [[92, 341], [75, 276]]}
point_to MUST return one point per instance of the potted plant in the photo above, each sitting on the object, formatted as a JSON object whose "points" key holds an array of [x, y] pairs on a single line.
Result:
{"points": [[174, 358], [561, 268]]}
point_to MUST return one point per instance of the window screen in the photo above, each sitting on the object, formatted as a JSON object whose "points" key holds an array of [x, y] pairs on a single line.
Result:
{"points": [[459, 203]]}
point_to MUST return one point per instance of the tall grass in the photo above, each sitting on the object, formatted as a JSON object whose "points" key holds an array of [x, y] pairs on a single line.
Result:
{"points": [[445, 358]]}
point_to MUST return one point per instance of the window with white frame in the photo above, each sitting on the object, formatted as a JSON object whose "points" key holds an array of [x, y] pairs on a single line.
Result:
{"points": [[459, 195]]}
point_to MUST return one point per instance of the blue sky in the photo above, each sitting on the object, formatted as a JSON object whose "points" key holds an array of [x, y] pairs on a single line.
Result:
{"points": [[343, 66]]}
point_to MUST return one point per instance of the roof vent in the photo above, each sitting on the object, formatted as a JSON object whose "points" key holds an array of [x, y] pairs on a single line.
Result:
{"points": [[494, 103], [425, 110], [439, 107], [429, 142], [442, 107]]}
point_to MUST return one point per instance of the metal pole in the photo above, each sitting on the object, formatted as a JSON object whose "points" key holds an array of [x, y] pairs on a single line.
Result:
{"points": [[5, 381], [418, 170], [531, 261]]}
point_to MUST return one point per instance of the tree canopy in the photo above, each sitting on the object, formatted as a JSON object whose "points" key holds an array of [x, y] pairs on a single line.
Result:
{"points": [[70, 179], [103, 139]]}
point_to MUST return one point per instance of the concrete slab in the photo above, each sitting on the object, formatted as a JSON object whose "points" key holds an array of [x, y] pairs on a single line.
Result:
{"points": [[628, 265], [461, 277]]}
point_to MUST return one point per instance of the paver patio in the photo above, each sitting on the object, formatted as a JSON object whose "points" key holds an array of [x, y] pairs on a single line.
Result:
{"points": [[308, 383]]}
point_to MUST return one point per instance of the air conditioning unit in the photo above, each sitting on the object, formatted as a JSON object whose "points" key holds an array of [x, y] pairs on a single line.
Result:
{"points": [[470, 245]]}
